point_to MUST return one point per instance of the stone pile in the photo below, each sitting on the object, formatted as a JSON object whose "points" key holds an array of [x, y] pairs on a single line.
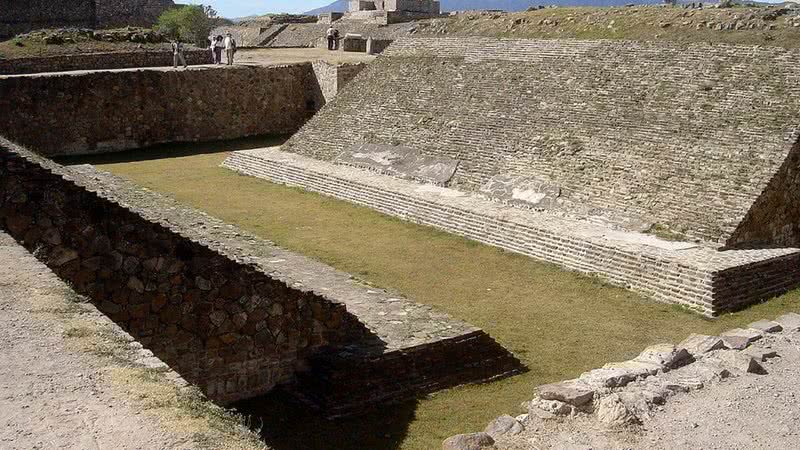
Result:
{"points": [[74, 35], [626, 393]]}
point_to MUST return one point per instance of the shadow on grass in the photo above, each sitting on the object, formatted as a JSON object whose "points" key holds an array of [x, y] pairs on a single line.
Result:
{"points": [[288, 425], [175, 150]]}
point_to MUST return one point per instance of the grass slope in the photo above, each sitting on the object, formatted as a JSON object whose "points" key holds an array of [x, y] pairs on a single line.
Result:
{"points": [[559, 323]]}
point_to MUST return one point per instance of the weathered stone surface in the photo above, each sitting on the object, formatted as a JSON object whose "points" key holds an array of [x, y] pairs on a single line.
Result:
{"points": [[751, 335], [760, 354], [400, 161], [609, 378], [611, 410], [62, 255], [699, 344], [641, 368], [766, 326], [471, 441], [504, 425], [737, 361], [574, 393], [735, 342], [667, 356], [789, 322], [556, 407]]}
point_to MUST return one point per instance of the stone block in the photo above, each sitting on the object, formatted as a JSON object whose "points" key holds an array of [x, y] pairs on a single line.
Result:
{"points": [[471, 441], [699, 344], [766, 326], [735, 342], [738, 362], [576, 394], [789, 322], [667, 356], [751, 335], [760, 354], [504, 425]]}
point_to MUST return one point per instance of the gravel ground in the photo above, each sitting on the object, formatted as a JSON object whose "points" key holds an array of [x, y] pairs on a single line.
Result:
{"points": [[50, 395], [746, 411]]}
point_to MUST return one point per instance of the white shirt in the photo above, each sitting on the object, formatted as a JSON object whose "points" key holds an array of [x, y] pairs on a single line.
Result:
{"points": [[228, 43]]}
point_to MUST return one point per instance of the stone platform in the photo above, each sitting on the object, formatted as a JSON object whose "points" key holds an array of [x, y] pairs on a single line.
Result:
{"points": [[686, 273], [413, 349]]}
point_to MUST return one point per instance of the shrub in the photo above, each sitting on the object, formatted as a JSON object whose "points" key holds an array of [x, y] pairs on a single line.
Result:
{"points": [[187, 23]]}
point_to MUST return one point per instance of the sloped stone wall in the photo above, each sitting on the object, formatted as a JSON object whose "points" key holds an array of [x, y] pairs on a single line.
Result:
{"points": [[94, 112], [220, 322], [682, 137]]}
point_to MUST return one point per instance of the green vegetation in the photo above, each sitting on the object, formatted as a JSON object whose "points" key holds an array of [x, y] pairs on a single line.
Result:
{"points": [[189, 23], [558, 323]]}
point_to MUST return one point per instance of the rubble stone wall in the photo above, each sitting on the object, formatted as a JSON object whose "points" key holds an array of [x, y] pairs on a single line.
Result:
{"points": [[20, 16], [683, 137], [140, 13], [95, 112], [98, 61], [222, 323]]}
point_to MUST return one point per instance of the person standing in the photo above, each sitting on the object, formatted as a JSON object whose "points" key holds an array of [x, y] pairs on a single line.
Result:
{"points": [[331, 38], [177, 54], [219, 46], [230, 48]]}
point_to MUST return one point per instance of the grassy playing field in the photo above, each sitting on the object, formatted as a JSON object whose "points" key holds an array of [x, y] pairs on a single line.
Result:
{"points": [[558, 323]]}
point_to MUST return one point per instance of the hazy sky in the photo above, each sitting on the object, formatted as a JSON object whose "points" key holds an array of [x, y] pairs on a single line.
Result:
{"points": [[238, 8]]}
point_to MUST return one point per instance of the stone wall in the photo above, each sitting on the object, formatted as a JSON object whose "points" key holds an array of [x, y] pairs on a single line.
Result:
{"points": [[97, 61], [700, 278], [140, 13], [645, 135], [93, 112], [221, 322], [20, 16], [331, 78]]}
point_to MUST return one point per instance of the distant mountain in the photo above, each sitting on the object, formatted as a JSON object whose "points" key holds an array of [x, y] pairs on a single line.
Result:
{"points": [[506, 5]]}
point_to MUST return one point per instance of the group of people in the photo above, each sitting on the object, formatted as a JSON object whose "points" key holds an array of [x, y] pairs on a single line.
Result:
{"points": [[218, 44], [333, 38]]}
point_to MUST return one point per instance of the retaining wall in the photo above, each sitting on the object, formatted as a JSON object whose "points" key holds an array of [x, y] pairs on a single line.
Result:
{"points": [[219, 321], [103, 111], [98, 61], [21, 16]]}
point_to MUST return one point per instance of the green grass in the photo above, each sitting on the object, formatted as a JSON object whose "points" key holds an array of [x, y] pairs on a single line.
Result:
{"points": [[557, 322]]}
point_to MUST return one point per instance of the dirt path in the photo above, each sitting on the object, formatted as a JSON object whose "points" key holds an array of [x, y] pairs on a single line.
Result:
{"points": [[52, 396], [746, 411]]}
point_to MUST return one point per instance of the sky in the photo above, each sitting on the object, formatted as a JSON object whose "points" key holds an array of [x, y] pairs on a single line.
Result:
{"points": [[239, 8]]}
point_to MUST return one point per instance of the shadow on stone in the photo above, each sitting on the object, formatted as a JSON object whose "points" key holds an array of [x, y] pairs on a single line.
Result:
{"points": [[289, 425]]}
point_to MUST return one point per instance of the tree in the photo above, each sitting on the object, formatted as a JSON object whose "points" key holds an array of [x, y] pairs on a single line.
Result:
{"points": [[188, 23]]}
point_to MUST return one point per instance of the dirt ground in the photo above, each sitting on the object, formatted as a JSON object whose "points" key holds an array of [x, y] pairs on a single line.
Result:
{"points": [[747, 411], [270, 56], [65, 381]]}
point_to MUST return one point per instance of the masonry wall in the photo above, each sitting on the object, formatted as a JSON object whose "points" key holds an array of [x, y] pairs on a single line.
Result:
{"points": [[20, 16], [685, 137], [94, 112], [223, 324], [120, 13], [98, 61]]}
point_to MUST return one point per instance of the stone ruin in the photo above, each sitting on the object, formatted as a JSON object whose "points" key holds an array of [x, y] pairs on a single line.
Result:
{"points": [[228, 311], [664, 168], [23, 16], [391, 11]]}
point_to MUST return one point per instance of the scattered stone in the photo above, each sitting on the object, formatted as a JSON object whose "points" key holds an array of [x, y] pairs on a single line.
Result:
{"points": [[789, 322], [576, 394], [700, 344], [471, 441], [556, 407], [760, 354], [738, 361], [735, 342], [751, 335], [504, 425], [611, 410], [766, 326], [535, 411], [666, 355]]}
